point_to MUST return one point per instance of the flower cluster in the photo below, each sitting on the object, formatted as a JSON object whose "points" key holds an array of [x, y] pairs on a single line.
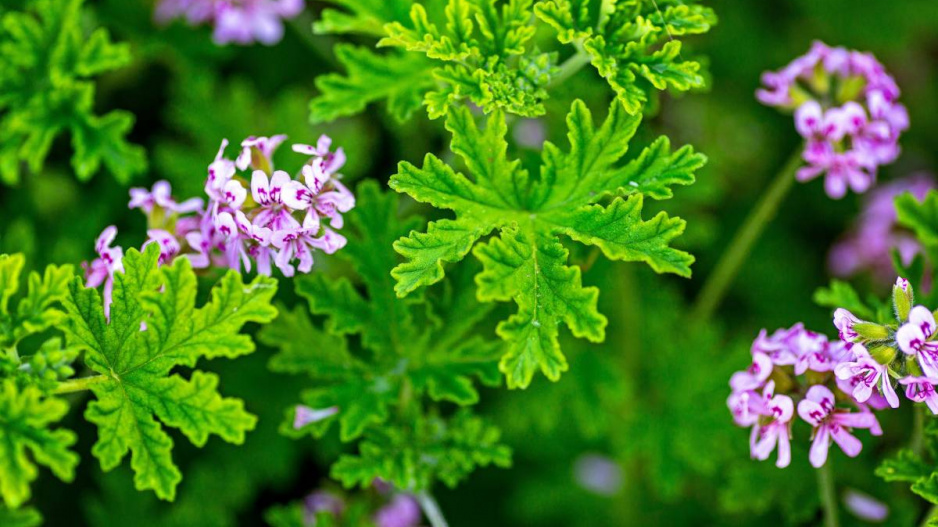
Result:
{"points": [[797, 363], [843, 381], [869, 243], [237, 21], [280, 222], [846, 108]]}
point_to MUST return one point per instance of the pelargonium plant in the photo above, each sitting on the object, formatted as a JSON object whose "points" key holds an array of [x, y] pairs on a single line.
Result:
{"points": [[846, 109], [413, 329], [234, 21]]}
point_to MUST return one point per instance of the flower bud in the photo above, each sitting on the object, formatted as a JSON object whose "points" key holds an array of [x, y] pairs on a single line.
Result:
{"points": [[883, 354], [902, 298], [871, 331]]}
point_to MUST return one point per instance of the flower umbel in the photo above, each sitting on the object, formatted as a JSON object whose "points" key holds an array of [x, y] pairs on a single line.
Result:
{"points": [[846, 108]]}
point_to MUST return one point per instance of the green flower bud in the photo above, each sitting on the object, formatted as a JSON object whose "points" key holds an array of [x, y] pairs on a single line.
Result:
{"points": [[871, 331], [902, 298], [883, 354]]}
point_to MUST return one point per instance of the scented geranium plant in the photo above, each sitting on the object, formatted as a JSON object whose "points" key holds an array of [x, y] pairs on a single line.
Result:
{"points": [[465, 262]]}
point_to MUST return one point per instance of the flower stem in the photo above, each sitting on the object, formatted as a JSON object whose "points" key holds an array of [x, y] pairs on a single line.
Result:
{"points": [[735, 256], [571, 65], [431, 509], [918, 429], [828, 500], [77, 385]]}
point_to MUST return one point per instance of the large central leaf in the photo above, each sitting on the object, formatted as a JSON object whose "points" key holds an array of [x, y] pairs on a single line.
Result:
{"points": [[584, 194]]}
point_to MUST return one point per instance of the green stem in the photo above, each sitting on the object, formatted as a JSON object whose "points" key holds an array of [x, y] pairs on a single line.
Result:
{"points": [[918, 429], [78, 385], [735, 256], [431, 509], [825, 484], [572, 65]]}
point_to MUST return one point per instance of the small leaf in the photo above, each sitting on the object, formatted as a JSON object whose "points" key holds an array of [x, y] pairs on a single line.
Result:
{"points": [[905, 466], [402, 79], [25, 417]]}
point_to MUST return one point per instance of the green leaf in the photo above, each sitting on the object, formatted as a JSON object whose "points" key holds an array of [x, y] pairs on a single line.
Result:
{"points": [[433, 449], [527, 262], [632, 43], [927, 488], [480, 53], [38, 309], [155, 327], [842, 294], [905, 466], [25, 417], [400, 78], [47, 61], [921, 218], [361, 16], [425, 345], [25, 517]]}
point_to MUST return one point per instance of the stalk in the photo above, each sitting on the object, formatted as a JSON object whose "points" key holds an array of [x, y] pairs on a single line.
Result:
{"points": [[572, 65], [78, 385], [431, 509], [737, 253], [828, 500]]}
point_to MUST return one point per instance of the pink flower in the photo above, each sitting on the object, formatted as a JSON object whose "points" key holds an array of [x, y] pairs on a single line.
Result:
{"points": [[322, 197], [915, 338], [869, 375], [265, 146], [219, 173], [844, 321], [753, 377], [169, 246], [774, 429], [304, 415], [868, 245], [813, 352], [921, 390], [102, 269], [830, 423], [240, 234], [746, 407], [161, 196], [843, 171], [269, 195], [237, 21], [778, 346]]}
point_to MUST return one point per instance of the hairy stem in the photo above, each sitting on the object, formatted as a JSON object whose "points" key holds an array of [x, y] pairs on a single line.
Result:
{"points": [[572, 65], [431, 509], [735, 256], [825, 482], [78, 385]]}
